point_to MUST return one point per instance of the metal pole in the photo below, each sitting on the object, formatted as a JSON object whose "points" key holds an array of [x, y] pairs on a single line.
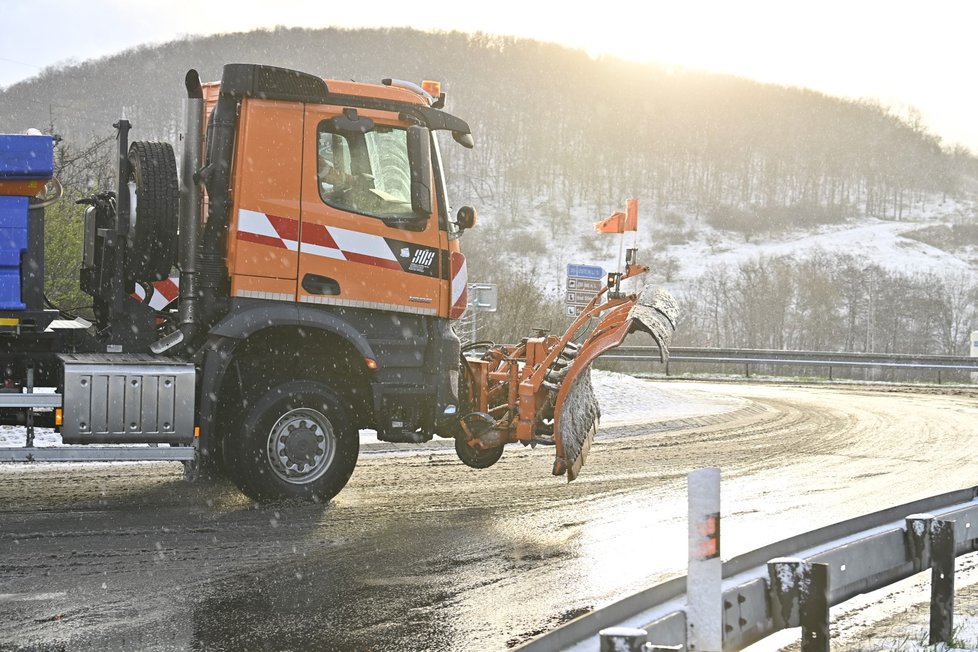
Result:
{"points": [[190, 207], [815, 611], [30, 410], [942, 582]]}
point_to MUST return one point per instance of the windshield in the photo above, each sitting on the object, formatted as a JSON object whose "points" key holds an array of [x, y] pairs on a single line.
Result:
{"points": [[365, 173]]}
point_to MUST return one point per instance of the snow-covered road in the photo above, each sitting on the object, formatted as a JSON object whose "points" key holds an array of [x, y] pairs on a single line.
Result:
{"points": [[420, 552]]}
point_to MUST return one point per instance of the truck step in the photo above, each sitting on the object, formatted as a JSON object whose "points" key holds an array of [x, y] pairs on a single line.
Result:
{"points": [[18, 400], [98, 454]]}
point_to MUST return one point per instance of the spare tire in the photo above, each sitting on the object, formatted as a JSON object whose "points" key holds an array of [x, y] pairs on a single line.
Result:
{"points": [[154, 215]]}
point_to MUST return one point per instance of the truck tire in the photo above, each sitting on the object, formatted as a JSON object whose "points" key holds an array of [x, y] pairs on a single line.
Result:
{"points": [[295, 440], [153, 231]]}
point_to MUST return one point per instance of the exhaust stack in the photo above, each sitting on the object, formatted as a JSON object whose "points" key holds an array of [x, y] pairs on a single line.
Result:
{"points": [[188, 224], [190, 197]]}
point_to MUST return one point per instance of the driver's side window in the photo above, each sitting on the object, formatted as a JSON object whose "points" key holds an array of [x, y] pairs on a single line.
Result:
{"points": [[364, 170]]}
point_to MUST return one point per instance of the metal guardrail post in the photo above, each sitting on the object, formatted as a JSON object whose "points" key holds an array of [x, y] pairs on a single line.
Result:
{"points": [[815, 611], [623, 639], [931, 544], [942, 582], [799, 598]]}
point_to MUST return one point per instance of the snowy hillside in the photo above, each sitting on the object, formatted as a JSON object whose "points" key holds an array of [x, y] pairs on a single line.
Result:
{"points": [[886, 243], [878, 241]]}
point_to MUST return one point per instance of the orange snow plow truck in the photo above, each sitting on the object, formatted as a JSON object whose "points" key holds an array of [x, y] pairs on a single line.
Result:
{"points": [[296, 282]]}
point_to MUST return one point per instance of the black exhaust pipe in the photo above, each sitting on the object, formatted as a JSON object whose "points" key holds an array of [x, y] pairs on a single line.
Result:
{"points": [[190, 197]]}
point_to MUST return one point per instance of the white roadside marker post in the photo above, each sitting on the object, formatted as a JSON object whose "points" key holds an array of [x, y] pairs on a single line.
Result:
{"points": [[704, 590]]}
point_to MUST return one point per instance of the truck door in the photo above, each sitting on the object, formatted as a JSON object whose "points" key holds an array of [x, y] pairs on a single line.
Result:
{"points": [[361, 245], [262, 258]]}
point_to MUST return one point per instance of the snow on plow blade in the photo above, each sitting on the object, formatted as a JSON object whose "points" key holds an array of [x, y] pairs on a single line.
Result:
{"points": [[576, 411]]}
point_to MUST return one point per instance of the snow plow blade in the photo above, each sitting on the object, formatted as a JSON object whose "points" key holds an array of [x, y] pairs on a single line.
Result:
{"points": [[576, 410]]}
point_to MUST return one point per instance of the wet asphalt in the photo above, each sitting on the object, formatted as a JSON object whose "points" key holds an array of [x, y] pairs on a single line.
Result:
{"points": [[422, 553]]}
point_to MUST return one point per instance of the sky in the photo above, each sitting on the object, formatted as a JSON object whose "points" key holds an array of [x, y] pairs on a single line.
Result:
{"points": [[912, 56]]}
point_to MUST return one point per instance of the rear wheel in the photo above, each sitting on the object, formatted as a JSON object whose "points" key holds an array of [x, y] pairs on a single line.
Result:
{"points": [[295, 441]]}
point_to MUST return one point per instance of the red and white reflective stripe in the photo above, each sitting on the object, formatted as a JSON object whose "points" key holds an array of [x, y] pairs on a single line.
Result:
{"points": [[165, 292], [317, 239], [270, 230], [344, 244], [460, 287], [319, 242]]}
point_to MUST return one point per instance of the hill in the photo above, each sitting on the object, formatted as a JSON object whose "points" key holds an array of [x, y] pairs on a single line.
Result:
{"points": [[732, 175], [556, 125]]}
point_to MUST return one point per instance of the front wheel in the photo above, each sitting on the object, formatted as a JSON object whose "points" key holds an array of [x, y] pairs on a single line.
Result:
{"points": [[476, 424], [296, 440]]}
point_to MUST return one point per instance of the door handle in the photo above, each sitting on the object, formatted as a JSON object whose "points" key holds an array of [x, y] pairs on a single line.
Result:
{"points": [[316, 284]]}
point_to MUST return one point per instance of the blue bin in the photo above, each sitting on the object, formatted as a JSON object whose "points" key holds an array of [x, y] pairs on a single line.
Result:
{"points": [[13, 242], [10, 289], [26, 157]]}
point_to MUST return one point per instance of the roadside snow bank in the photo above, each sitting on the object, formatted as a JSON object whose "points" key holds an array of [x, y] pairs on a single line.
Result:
{"points": [[626, 399]]}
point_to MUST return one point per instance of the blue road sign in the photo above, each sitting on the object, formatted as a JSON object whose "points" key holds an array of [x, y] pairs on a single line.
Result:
{"points": [[585, 271]]}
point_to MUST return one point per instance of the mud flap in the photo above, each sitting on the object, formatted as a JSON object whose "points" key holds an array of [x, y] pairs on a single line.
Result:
{"points": [[576, 410]]}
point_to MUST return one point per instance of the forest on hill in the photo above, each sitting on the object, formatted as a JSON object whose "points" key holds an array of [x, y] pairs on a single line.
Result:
{"points": [[555, 125], [560, 134]]}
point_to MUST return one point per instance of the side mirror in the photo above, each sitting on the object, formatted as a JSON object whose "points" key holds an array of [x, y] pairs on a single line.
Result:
{"points": [[463, 139], [465, 218], [419, 156]]}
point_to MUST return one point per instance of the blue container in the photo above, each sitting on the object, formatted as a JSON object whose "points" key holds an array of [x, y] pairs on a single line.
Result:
{"points": [[13, 212], [10, 289], [13, 243], [26, 157]]}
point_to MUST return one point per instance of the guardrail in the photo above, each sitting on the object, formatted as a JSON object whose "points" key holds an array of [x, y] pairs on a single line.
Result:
{"points": [[859, 555], [828, 359]]}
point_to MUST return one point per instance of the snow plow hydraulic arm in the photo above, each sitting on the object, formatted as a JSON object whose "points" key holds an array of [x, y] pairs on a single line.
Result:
{"points": [[539, 391]]}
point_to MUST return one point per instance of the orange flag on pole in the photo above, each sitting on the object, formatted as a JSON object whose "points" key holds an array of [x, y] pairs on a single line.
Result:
{"points": [[631, 217], [612, 224]]}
